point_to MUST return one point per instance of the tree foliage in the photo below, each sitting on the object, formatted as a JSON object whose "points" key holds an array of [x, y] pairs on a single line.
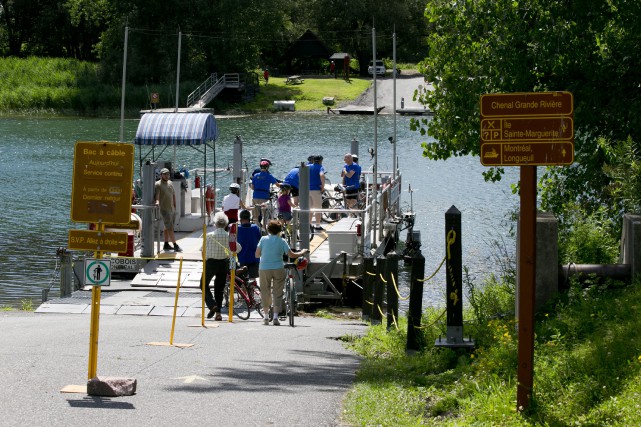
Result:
{"points": [[221, 36], [491, 46]]}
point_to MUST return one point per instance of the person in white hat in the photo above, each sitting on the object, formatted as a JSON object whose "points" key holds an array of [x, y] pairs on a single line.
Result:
{"points": [[232, 203], [165, 198]]}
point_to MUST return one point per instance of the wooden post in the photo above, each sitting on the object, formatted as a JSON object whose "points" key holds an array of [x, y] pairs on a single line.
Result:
{"points": [[392, 285], [526, 283], [416, 301], [369, 278], [379, 286]]}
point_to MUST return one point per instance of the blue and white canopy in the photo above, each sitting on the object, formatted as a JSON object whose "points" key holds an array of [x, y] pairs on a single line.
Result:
{"points": [[176, 129]]}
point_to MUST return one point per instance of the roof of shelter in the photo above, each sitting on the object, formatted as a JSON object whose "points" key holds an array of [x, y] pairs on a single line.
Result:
{"points": [[308, 45], [338, 56]]}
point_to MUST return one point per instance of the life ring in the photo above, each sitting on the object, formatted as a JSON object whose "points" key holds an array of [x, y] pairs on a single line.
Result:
{"points": [[210, 198]]}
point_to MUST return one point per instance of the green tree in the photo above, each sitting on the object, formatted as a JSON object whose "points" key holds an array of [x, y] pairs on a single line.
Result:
{"points": [[348, 27], [581, 46]]}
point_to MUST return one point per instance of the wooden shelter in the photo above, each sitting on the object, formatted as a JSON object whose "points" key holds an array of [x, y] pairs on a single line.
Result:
{"points": [[307, 54]]}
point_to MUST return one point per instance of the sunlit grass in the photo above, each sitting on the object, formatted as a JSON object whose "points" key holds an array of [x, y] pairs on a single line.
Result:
{"points": [[587, 369], [309, 94]]}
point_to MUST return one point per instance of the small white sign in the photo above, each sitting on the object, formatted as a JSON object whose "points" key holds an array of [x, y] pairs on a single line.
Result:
{"points": [[97, 272]]}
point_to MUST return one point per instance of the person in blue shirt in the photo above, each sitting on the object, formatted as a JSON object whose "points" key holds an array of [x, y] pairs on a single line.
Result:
{"points": [[248, 235], [292, 178], [316, 187], [270, 250], [351, 175], [261, 184]]}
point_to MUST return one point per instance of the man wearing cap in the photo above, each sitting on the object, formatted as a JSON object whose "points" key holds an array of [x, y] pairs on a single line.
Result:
{"points": [[165, 198], [261, 183]]}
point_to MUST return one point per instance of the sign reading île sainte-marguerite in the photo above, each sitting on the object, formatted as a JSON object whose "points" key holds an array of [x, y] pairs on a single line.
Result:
{"points": [[519, 129]]}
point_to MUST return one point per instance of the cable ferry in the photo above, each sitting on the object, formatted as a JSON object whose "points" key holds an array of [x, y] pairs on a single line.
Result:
{"points": [[335, 269]]}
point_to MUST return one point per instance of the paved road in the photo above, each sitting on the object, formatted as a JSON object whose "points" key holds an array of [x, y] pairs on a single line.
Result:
{"points": [[405, 87], [237, 374]]}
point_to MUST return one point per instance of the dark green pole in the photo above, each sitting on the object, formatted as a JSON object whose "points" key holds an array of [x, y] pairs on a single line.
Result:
{"points": [[416, 302], [369, 278], [392, 294]]}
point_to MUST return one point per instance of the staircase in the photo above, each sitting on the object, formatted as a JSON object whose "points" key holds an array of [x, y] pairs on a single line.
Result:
{"points": [[211, 87]]}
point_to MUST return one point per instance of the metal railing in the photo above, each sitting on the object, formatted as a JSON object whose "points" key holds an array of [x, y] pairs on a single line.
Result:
{"points": [[211, 87]]}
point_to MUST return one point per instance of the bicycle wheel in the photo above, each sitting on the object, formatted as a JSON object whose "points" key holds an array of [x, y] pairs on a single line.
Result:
{"points": [[330, 203], [241, 306], [291, 301], [258, 305]]}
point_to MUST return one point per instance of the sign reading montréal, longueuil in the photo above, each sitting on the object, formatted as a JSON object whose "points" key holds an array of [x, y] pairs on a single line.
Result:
{"points": [[102, 178], [519, 129]]}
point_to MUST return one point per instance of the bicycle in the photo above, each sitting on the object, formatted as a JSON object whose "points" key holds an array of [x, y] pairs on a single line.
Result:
{"points": [[246, 295], [290, 297]]}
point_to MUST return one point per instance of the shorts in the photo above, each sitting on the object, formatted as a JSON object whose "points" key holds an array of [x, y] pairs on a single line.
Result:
{"points": [[352, 193], [315, 199], [294, 192], [287, 216], [168, 219]]}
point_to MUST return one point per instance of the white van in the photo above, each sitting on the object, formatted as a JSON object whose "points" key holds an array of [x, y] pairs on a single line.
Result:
{"points": [[380, 68]]}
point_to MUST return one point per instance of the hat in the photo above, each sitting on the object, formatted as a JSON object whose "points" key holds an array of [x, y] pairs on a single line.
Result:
{"points": [[264, 159], [164, 170], [264, 164], [234, 185]]}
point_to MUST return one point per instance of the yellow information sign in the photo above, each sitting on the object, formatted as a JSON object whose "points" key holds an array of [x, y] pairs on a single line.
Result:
{"points": [[102, 179], [94, 240]]}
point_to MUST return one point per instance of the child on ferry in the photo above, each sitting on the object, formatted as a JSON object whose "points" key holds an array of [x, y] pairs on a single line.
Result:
{"points": [[285, 203]]}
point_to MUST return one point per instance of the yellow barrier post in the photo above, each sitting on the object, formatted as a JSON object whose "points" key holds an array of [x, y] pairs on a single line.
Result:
{"points": [[95, 319], [173, 320]]}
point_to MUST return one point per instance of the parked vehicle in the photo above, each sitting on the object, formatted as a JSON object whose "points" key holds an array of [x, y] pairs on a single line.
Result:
{"points": [[380, 68]]}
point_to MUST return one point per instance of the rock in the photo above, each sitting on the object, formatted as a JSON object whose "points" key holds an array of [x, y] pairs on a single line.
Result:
{"points": [[111, 386]]}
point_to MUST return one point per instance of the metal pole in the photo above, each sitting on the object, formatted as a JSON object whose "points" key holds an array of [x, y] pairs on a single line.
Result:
{"points": [[373, 222], [178, 69], [394, 166], [303, 202], [122, 95]]}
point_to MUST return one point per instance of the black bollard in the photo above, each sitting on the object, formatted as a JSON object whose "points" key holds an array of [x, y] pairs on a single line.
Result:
{"points": [[416, 301], [369, 278], [392, 294], [379, 291], [454, 281]]}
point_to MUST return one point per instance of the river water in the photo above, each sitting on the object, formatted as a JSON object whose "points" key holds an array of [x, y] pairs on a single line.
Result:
{"points": [[37, 161]]}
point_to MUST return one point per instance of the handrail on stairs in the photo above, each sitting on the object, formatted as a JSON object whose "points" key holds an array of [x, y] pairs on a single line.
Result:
{"points": [[195, 96]]}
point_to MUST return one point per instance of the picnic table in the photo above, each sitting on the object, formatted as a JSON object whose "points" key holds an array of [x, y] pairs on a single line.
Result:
{"points": [[294, 80]]}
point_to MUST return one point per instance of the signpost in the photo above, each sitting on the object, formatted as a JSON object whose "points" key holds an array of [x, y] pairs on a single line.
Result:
{"points": [[527, 130], [100, 193], [535, 129]]}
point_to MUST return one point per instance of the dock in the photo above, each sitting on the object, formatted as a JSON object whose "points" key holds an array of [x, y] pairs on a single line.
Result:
{"points": [[357, 109]]}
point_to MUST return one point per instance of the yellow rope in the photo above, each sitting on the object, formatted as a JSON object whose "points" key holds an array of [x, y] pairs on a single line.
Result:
{"points": [[434, 274], [397, 292], [432, 324]]}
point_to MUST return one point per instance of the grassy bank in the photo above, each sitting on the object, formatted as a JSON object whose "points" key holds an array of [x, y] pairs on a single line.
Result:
{"points": [[71, 87], [587, 366], [308, 95]]}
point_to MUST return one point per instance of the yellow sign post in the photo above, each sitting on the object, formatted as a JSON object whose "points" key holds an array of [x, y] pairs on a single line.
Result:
{"points": [[100, 193]]}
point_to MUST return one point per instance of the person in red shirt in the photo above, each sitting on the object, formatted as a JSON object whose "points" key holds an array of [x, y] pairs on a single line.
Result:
{"points": [[266, 75]]}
